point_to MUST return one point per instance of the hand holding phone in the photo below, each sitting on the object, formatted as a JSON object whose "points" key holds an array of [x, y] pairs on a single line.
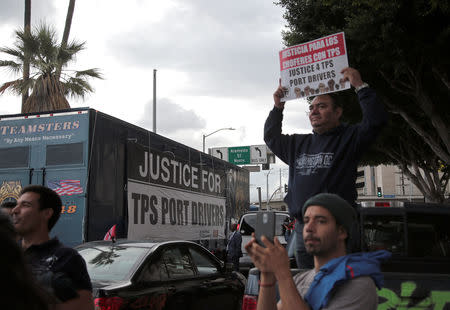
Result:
{"points": [[265, 226]]}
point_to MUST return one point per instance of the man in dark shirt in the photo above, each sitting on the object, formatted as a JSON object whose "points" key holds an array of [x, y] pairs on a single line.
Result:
{"points": [[326, 160], [60, 270], [234, 251]]}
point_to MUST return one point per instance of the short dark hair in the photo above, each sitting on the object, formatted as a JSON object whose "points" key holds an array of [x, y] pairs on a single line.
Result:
{"points": [[334, 98], [8, 204], [48, 198]]}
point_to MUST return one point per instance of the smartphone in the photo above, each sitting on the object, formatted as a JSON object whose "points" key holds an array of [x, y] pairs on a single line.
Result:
{"points": [[265, 226]]}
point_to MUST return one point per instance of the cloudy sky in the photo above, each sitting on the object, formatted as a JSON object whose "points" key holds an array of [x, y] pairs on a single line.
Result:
{"points": [[216, 61]]}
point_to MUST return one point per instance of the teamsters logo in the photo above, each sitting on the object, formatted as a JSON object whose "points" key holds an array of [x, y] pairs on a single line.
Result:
{"points": [[10, 190], [8, 130]]}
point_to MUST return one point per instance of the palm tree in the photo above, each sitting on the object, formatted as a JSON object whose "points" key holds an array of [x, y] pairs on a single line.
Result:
{"points": [[26, 62], [48, 91], [66, 32]]}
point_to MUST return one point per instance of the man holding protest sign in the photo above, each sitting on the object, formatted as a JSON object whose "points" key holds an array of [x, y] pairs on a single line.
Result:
{"points": [[326, 160]]}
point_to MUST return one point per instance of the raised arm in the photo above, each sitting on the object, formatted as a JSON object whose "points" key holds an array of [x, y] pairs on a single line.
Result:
{"points": [[273, 263], [374, 113], [278, 95], [278, 143]]}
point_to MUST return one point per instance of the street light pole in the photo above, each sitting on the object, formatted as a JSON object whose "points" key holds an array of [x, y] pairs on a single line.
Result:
{"points": [[267, 189], [205, 136], [259, 197], [154, 100]]}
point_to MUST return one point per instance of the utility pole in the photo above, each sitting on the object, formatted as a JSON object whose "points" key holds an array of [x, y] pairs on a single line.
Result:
{"points": [[205, 136], [281, 192], [403, 184], [259, 196], [154, 100], [267, 189], [410, 190]]}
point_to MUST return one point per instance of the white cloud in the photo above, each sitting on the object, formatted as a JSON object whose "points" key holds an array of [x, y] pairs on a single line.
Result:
{"points": [[12, 11], [171, 118], [227, 48], [217, 65]]}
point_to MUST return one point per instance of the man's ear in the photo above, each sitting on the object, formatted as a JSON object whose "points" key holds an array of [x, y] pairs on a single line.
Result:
{"points": [[48, 212], [342, 232], [339, 111]]}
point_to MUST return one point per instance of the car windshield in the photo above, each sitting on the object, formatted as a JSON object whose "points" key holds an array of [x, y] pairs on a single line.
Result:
{"points": [[107, 263], [248, 224]]}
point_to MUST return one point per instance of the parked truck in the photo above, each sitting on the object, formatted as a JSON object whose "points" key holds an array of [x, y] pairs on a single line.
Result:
{"points": [[418, 236], [109, 172]]}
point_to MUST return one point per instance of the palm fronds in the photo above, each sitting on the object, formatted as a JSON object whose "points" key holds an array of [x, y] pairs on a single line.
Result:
{"points": [[48, 91], [12, 66]]}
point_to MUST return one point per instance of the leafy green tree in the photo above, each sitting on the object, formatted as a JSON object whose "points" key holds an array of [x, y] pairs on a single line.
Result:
{"points": [[401, 47], [47, 91]]}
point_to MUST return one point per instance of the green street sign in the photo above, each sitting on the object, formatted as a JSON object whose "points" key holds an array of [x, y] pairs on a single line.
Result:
{"points": [[239, 155]]}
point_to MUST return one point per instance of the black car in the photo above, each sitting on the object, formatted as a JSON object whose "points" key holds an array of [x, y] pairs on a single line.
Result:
{"points": [[162, 275]]}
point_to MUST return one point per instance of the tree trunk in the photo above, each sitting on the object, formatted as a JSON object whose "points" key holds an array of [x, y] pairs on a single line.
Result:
{"points": [[66, 33], [440, 142], [26, 60], [424, 177], [434, 193]]}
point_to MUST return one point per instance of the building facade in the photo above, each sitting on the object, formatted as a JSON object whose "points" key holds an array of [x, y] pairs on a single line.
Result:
{"points": [[387, 182], [374, 183]]}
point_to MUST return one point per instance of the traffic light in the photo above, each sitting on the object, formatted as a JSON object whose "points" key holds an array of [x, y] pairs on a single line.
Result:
{"points": [[285, 188], [379, 193], [265, 166]]}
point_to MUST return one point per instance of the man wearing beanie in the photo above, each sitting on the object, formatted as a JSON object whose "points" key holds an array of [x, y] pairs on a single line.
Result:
{"points": [[338, 280]]}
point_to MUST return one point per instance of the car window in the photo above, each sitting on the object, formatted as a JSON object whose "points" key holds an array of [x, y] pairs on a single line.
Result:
{"points": [[384, 233], [154, 270], [14, 157], [107, 263], [205, 265], [428, 235], [177, 263], [248, 223]]}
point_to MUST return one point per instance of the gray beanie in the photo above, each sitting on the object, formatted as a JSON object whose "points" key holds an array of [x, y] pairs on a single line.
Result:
{"points": [[342, 211]]}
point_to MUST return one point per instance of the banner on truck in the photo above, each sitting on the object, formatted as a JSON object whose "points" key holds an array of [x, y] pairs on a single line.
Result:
{"points": [[159, 213], [314, 67], [173, 198]]}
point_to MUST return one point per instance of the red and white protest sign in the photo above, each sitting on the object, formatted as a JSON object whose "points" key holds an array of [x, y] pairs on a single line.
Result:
{"points": [[314, 67]]}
